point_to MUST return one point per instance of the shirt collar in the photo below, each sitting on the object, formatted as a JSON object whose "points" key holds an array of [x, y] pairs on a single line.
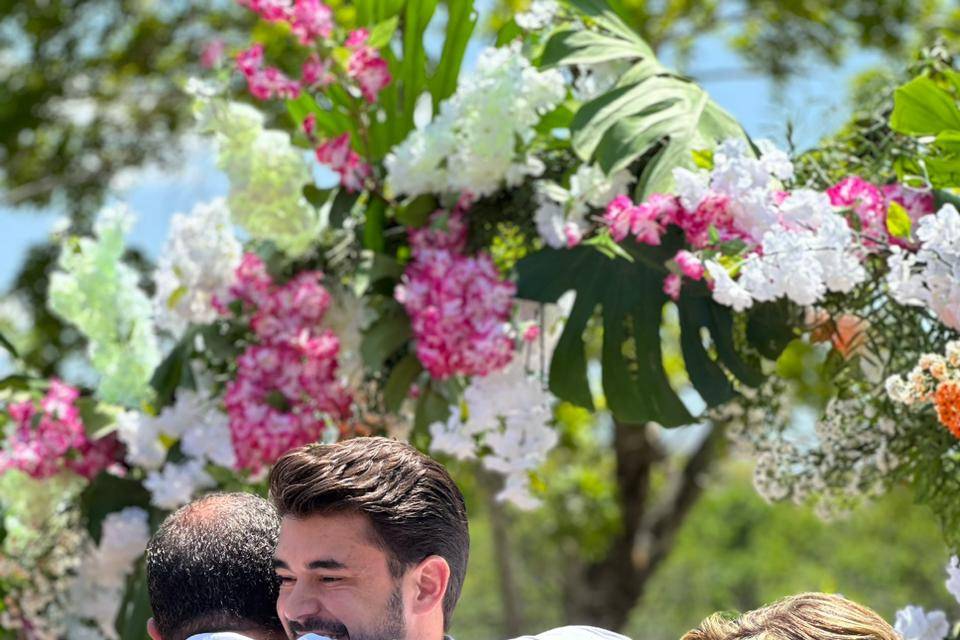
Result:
{"points": [[219, 635]]}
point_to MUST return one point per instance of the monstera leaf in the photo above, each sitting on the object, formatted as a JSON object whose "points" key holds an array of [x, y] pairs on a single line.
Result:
{"points": [[650, 112], [629, 297]]}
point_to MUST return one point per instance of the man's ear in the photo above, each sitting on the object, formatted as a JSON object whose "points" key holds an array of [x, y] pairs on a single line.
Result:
{"points": [[431, 578], [152, 630]]}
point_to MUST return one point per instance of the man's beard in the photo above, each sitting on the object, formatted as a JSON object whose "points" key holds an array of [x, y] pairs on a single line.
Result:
{"points": [[389, 627]]}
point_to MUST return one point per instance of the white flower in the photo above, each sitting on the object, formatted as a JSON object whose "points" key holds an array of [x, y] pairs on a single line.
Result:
{"points": [[196, 263], [540, 14], [124, 536], [913, 623], [593, 80], [550, 220], [176, 484], [691, 186], [953, 580], [508, 418], [471, 145], [210, 439], [726, 291], [142, 439]]}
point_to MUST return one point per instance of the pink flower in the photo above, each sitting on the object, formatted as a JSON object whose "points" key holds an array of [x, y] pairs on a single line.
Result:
{"points": [[286, 387], [338, 155], [270, 10], [366, 66], [265, 82], [212, 54], [671, 286], [713, 211], [316, 72], [867, 202], [573, 234], [458, 305], [250, 61], [53, 439], [309, 125], [531, 333], [311, 19], [646, 222], [689, 264]]}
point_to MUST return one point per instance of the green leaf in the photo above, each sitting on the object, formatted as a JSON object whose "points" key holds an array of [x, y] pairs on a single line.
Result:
{"points": [[703, 158], [582, 46], [135, 609], [384, 338], [768, 328], [944, 196], [8, 346], [922, 108], [899, 223], [373, 225], [461, 21], [432, 406], [315, 196], [107, 494], [382, 32], [630, 298], [341, 207], [330, 123], [398, 385], [173, 370], [416, 212]]}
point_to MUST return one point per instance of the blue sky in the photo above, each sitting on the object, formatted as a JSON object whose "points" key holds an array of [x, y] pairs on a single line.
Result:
{"points": [[815, 103]]}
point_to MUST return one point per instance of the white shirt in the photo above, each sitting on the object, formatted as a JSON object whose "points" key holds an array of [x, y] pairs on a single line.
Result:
{"points": [[575, 633]]}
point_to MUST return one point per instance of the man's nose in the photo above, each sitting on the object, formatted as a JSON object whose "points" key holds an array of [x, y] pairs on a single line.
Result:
{"points": [[300, 603]]}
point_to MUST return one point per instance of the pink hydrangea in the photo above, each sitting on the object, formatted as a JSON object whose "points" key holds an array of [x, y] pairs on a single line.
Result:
{"points": [[458, 305], [286, 385], [867, 202], [671, 286], [338, 155], [646, 221], [690, 265], [270, 10], [365, 65], [51, 438]]}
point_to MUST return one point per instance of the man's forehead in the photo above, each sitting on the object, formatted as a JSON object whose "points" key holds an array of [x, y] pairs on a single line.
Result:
{"points": [[334, 536]]}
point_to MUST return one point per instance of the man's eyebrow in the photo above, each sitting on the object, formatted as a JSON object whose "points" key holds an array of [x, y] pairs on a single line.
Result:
{"points": [[326, 563]]}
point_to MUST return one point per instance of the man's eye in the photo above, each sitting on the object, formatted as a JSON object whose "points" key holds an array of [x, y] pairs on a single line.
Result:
{"points": [[329, 579], [286, 579]]}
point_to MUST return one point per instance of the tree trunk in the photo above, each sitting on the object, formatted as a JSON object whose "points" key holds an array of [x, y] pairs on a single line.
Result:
{"points": [[513, 623], [603, 593]]}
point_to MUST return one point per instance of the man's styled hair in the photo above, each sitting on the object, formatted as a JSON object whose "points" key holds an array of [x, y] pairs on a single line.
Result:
{"points": [[414, 506], [806, 616], [210, 567]]}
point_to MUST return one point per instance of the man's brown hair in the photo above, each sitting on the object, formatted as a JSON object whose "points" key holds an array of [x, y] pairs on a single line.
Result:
{"points": [[414, 506], [806, 616]]}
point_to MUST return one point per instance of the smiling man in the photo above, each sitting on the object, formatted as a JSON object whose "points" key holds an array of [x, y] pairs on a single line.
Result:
{"points": [[373, 541]]}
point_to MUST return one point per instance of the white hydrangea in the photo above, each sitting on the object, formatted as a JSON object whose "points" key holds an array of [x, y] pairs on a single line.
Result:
{"points": [[726, 290], [913, 623], [803, 265], [196, 263], [540, 14], [931, 278], [95, 291], [267, 175], [177, 483], [97, 590], [953, 577], [561, 213], [471, 146], [508, 416], [193, 419]]}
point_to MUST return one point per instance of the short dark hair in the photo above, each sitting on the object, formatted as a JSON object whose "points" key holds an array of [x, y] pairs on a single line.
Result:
{"points": [[414, 506], [210, 567]]}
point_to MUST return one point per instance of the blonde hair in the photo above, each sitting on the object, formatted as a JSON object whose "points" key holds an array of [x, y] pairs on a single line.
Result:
{"points": [[805, 616]]}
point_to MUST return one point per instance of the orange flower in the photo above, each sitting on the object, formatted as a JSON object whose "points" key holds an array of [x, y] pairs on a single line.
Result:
{"points": [[947, 401]]}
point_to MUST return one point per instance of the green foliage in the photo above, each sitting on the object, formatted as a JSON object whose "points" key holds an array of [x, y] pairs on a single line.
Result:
{"points": [[779, 38], [928, 107], [651, 113]]}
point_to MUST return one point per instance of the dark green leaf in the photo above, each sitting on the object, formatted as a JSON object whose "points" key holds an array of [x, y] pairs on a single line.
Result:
{"points": [[384, 338], [8, 346], [373, 225], [768, 328], [630, 298], [106, 494], [135, 609], [316, 197], [416, 212], [397, 388], [173, 370], [432, 406], [341, 207]]}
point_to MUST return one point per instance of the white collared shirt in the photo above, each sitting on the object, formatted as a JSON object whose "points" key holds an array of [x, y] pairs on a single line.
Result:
{"points": [[575, 632], [219, 635]]}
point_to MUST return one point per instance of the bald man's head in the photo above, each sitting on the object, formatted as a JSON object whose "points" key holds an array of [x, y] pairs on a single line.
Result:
{"points": [[210, 568]]}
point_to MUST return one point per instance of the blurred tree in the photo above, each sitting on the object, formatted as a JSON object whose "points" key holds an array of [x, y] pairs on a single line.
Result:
{"points": [[779, 37]]}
